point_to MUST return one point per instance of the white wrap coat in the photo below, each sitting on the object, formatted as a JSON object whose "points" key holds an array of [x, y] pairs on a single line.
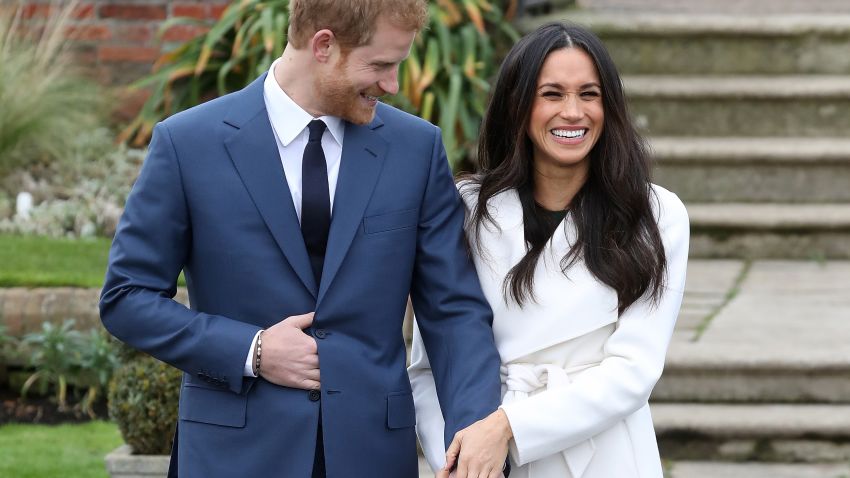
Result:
{"points": [[575, 377]]}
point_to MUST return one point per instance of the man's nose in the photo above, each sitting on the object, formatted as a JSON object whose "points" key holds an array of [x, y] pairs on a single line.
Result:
{"points": [[389, 83]]}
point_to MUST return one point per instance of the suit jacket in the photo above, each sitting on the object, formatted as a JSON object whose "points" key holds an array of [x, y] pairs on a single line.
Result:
{"points": [[576, 376], [212, 200]]}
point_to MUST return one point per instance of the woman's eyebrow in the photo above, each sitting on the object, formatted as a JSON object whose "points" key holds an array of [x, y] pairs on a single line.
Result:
{"points": [[560, 86]]}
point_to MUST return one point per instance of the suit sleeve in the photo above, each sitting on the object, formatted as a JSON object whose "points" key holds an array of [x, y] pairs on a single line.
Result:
{"points": [[150, 248], [557, 419], [453, 317]]}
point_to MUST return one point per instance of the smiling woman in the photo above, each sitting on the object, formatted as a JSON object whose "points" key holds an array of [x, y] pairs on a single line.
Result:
{"points": [[582, 260]]}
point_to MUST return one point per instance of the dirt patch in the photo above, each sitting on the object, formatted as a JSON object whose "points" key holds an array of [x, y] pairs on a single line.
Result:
{"points": [[44, 410]]}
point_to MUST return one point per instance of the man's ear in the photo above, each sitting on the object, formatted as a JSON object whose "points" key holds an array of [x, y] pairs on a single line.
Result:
{"points": [[323, 45]]}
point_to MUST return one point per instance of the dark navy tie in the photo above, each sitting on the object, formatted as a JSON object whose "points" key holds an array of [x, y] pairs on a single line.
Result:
{"points": [[315, 199]]}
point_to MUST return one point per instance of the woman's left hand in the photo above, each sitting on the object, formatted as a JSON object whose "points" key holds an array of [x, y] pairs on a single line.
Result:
{"points": [[480, 449]]}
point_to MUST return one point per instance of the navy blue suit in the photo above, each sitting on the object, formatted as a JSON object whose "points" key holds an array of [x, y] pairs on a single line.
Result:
{"points": [[212, 200]]}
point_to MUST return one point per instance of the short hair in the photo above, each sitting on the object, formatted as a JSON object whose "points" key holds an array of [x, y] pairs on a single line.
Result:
{"points": [[352, 21]]}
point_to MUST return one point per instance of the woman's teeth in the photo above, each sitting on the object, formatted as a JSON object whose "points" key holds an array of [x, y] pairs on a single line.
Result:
{"points": [[574, 133]]}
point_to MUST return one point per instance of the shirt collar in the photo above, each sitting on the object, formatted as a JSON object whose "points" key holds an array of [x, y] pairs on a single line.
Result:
{"points": [[289, 119]]}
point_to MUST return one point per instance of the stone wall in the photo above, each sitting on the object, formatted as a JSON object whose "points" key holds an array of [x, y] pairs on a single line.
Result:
{"points": [[22, 310]]}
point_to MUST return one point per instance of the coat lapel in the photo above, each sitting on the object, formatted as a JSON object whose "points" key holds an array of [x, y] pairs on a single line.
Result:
{"points": [[362, 159], [253, 150]]}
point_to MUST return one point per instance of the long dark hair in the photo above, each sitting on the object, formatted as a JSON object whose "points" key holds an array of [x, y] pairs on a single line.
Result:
{"points": [[617, 235]]}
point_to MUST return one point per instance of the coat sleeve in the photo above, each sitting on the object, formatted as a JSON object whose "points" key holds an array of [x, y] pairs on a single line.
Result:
{"points": [[453, 317], [429, 417], [560, 418], [148, 252]]}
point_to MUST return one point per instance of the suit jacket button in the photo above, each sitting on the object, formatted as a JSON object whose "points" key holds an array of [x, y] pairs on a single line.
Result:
{"points": [[314, 395], [321, 333]]}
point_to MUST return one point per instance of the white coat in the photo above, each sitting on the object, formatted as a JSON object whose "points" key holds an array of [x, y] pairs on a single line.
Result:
{"points": [[576, 378]]}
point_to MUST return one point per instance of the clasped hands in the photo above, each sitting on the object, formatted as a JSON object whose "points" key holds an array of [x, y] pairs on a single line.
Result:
{"points": [[290, 356], [479, 450]]}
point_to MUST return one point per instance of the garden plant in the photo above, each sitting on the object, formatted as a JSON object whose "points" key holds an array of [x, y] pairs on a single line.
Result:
{"points": [[143, 397], [445, 80], [38, 78]]}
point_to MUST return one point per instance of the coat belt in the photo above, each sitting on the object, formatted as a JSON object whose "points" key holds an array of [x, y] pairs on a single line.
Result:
{"points": [[524, 379]]}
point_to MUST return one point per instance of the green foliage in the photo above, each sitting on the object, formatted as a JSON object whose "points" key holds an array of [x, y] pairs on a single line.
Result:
{"points": [[445, 80], [66, 451], [143, 398], [63, 357], [46, 102], [8, 344], [98, 361], [54, 352], [79, 194]]}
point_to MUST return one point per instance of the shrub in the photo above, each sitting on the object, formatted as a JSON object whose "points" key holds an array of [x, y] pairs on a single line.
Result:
{"points": [[81, 193], [98, 361], [143, 399], [7, 344], [67, 359], [445, 80], [7, 206], [54, 355], [46, 101]]}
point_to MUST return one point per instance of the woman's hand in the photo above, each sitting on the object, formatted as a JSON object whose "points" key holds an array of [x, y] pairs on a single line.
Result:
{"points": [[479, 450]]}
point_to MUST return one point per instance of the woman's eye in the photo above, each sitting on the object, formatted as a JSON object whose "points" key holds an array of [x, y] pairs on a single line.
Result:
{"points": [[590, 94], [551, 94]]}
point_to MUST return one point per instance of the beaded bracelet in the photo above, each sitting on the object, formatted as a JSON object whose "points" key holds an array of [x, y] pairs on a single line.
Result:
{"points": [[258, 352]]}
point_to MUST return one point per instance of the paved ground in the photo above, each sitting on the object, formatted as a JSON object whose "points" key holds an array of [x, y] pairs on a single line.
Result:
{"points": [[765, 312]]}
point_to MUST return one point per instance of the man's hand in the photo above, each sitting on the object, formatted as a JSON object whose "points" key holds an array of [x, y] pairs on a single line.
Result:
{"points": [[290, 357], [480, 449]]}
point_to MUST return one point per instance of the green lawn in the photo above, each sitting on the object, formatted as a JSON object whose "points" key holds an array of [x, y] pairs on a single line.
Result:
{"points": [[30, 261], [67, 451]]}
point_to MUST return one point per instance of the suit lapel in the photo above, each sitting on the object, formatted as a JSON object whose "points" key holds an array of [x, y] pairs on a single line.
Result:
{"points": [[253, 150], [362, 159]]}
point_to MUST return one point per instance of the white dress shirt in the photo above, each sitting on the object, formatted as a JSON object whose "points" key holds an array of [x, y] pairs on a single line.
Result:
{"points": [[289, 123]]}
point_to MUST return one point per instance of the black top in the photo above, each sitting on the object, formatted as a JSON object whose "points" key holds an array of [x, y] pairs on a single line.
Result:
{"points": [[553, 218]]}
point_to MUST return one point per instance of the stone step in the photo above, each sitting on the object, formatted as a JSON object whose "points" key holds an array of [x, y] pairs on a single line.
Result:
{"points": [[766, 432], [774, 331], [718, 43], [741, 106], [729, 169], [724, 373], [711, 469], [770, 230]]}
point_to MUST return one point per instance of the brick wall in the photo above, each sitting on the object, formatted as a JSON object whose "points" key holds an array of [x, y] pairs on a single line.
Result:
{"points": [[116, 40]]}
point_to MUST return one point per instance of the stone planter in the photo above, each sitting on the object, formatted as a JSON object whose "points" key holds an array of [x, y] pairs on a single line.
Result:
{"points": [[121, 463]]}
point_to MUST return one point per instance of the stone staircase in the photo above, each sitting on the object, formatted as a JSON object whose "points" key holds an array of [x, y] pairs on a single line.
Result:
{"points": [[747, 107]]}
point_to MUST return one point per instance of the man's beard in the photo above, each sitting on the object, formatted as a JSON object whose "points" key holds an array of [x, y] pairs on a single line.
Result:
{"points": [[341, 99]]}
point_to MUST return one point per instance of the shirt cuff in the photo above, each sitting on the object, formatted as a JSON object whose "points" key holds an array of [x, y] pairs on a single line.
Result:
{"points": [[249, 361]]}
